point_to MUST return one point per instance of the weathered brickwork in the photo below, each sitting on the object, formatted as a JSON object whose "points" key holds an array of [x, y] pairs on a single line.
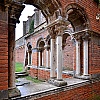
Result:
{"points": [[90, 8], [3, 51], [20, 54], [95, 52]]}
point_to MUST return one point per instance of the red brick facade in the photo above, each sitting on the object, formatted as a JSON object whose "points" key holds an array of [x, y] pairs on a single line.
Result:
{"points": [[3, 51], [86, 92], [81, 14]]}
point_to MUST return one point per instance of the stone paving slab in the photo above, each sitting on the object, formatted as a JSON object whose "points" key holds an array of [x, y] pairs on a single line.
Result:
{"points": [[28, 89]]}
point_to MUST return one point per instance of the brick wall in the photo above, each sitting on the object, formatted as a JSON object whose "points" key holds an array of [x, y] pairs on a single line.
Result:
{"points": [[95, 54], [90, 8], [43, 73], [20, 54], [3, 51], [69, 54]]}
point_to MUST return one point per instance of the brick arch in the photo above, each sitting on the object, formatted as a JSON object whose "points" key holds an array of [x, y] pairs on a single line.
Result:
{"points": [[77, 17]]}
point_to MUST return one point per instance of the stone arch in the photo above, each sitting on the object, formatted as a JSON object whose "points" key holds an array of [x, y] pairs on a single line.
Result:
{"points": [[77, 17], [48, 7], [29, 54], [40, 46], [40, 42]]}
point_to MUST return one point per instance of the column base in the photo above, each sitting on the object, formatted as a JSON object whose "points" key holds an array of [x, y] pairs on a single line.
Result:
{"points": [[13, 92], [85, 77], [57, 82]]}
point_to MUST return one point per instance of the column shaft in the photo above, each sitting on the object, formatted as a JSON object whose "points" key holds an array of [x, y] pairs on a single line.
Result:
{"points": [[77, 57], [85, 44], [59, 57], [11, 56], [47, 59], [52, 58], [39, 58]]}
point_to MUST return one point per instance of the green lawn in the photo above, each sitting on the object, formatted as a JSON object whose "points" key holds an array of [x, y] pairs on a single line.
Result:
{"points": [[18, 67], [35, 80]]}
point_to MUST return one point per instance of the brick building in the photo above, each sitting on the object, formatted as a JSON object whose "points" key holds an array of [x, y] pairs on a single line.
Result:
{"points": [[64, 42]]}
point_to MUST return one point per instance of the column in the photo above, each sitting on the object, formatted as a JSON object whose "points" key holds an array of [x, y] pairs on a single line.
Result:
{"points": [[39, 56], [11, 56], [29, 57], [59, 57], [47, 58], [85, 57], [42, 58], [77, 57], [52, 59], [14, 12]]}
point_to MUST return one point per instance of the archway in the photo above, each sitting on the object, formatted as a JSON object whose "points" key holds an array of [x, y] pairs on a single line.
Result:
{"points": [[79, 21], [40, 46]]}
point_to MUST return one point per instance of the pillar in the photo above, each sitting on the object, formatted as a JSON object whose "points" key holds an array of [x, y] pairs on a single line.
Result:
{"points": [[42, 58], [14, 12], [39, 58], [47, 58], [59, 57], [52, 58], [11, 56], [77, 57], [29, 57], [85, 57]]}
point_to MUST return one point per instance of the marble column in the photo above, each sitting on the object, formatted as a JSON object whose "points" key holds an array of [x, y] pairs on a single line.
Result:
{"points": [[59, 57], [77, 57], [39, 58], [85, 57], [52, 58], [29, 58], [47, 58], [42, 58]]}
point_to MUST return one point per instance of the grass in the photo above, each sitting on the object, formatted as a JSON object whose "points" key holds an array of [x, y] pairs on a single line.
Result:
{"points": [[35, 80], [18, 67]]}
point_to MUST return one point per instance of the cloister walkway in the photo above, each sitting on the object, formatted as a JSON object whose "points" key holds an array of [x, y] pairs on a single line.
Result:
{"points": [[37, 90]]}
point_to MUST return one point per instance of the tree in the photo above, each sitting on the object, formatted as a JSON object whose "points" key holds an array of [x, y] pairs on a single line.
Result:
{"points": [[31, 29]]}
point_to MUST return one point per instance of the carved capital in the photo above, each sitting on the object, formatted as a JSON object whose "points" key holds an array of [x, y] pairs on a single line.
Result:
{"points": [[14, 12], [86, 36]]}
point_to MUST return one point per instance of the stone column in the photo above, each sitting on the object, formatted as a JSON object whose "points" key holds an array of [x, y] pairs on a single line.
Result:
{"points": [[85, 57], [77, 57], [52, 58], [29, 57], [59, 57], [39, 56], [14, 12], [47, 58], [42, 58], [11, 54]]}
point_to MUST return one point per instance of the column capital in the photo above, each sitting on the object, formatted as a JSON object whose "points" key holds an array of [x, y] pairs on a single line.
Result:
{"points": [[58, 26], [14, 12], [47, 47], [86, 36]]}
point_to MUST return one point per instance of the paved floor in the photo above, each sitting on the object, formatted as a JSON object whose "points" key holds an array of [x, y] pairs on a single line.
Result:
{"points": [[30, 88]]}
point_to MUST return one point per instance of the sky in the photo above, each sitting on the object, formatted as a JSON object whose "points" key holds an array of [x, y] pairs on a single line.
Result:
{"points": [[28, 11]]}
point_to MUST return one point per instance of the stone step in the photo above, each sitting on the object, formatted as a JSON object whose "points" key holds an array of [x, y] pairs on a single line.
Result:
{"points": [[21, 75], [20, 72]]}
